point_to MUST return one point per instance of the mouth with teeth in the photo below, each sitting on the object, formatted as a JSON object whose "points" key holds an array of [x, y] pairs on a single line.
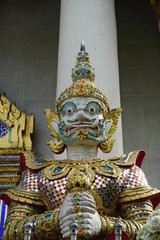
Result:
{"points": [[72, 130], [80, 125]]}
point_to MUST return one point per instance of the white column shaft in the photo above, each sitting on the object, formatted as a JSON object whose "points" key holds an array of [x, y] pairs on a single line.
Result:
{"points": [[94, 21]]}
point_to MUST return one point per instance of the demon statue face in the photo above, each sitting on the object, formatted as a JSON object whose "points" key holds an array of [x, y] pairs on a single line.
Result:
{"points": [[82, 118], [83, 114]]}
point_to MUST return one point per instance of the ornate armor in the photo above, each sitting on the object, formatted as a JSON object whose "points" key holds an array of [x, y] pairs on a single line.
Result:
{"points": [[118, 185]]}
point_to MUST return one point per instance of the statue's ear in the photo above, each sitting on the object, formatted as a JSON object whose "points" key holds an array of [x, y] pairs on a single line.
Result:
{"points": [[108, 124], [111, 121], [112, 116], [53, 121], [57, 146]]}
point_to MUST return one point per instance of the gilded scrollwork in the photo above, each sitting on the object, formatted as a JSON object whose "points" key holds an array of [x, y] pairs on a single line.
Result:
{"points": [[58, 146], [18, 125], [15, 136]]}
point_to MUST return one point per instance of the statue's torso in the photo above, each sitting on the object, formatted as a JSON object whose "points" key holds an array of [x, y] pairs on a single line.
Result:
{"points": [[107, 187]]}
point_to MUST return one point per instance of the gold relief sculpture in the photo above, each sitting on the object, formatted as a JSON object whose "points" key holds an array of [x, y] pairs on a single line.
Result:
{"points": [[106, 145], [15, 136], [66, 165], [10, 169], [82, 133], [59, 146], [17, 123]]}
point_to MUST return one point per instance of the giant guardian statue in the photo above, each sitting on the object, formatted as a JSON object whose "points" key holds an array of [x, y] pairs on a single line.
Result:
{"points": [[83, 187]]}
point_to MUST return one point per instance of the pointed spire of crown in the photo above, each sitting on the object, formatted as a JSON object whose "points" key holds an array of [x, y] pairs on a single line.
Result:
{"points": [[82, 46], [83, 81], [83, 69]]}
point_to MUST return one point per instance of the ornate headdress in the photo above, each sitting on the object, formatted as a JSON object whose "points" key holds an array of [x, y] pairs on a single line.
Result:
{"points": [[83, 81], [83, 86]]}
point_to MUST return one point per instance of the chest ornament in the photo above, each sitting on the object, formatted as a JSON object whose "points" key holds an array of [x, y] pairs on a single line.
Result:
{"points": [[80, 180], [61, 168]]}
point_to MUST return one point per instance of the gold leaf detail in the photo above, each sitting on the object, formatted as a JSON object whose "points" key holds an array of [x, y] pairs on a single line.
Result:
{"points": [[105, 146], [82, 133], [49, 116], [55, 148], [18, 135], [114, 116]]}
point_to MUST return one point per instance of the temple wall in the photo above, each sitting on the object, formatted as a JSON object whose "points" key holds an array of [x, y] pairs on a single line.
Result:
{"points": [[29, 33], [139, 64]]}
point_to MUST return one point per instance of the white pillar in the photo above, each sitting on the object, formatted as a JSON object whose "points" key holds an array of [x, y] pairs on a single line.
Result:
{"points": [[94, 21]]}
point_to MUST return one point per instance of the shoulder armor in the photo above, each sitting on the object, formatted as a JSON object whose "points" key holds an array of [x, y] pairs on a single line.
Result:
{"points": [[23, 196], [34, 163], [133, 158], [140, 193]]}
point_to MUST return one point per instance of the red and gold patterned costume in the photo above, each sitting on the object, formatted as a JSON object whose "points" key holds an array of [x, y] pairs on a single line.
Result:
{"points": [[119, 182]]}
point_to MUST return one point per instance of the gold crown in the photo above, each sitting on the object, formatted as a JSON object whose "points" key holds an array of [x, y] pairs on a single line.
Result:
{"points": [[83, 81]]}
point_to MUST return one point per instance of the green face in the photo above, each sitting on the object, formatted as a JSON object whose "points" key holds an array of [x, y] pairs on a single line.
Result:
{"points": [[79, 115]]}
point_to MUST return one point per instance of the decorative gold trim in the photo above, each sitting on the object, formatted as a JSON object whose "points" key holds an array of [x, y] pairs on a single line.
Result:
{"points": [[103, 224], [125, 160], [137, 193], [20, 125], [10, 151], [106, 146], [97, 198], [82, 133], [115, 173], [148, 207], [50, 115], [99, 163], [30, 161], [48, 227], [113, 115], [78, 180], [9, 169], [49, 171], [58, 146], [68, 164], [6, 179], [21, 195]]}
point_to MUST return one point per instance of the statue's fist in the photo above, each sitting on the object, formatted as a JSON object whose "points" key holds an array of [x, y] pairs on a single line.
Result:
{"points": [[86, 206], [91, 224]]}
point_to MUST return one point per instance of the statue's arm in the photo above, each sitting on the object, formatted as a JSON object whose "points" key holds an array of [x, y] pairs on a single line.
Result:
{"points": [[132, 217], [44, 225], [134, 203], [26, 201]]}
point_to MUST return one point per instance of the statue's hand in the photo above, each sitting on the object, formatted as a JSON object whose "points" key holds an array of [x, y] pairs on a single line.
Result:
{"points": [[91, 219], [91, 225], [67, 207]]}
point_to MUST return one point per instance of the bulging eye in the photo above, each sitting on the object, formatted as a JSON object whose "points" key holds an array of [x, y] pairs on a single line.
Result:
{"points": [[69, 110], [91, 109]]}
